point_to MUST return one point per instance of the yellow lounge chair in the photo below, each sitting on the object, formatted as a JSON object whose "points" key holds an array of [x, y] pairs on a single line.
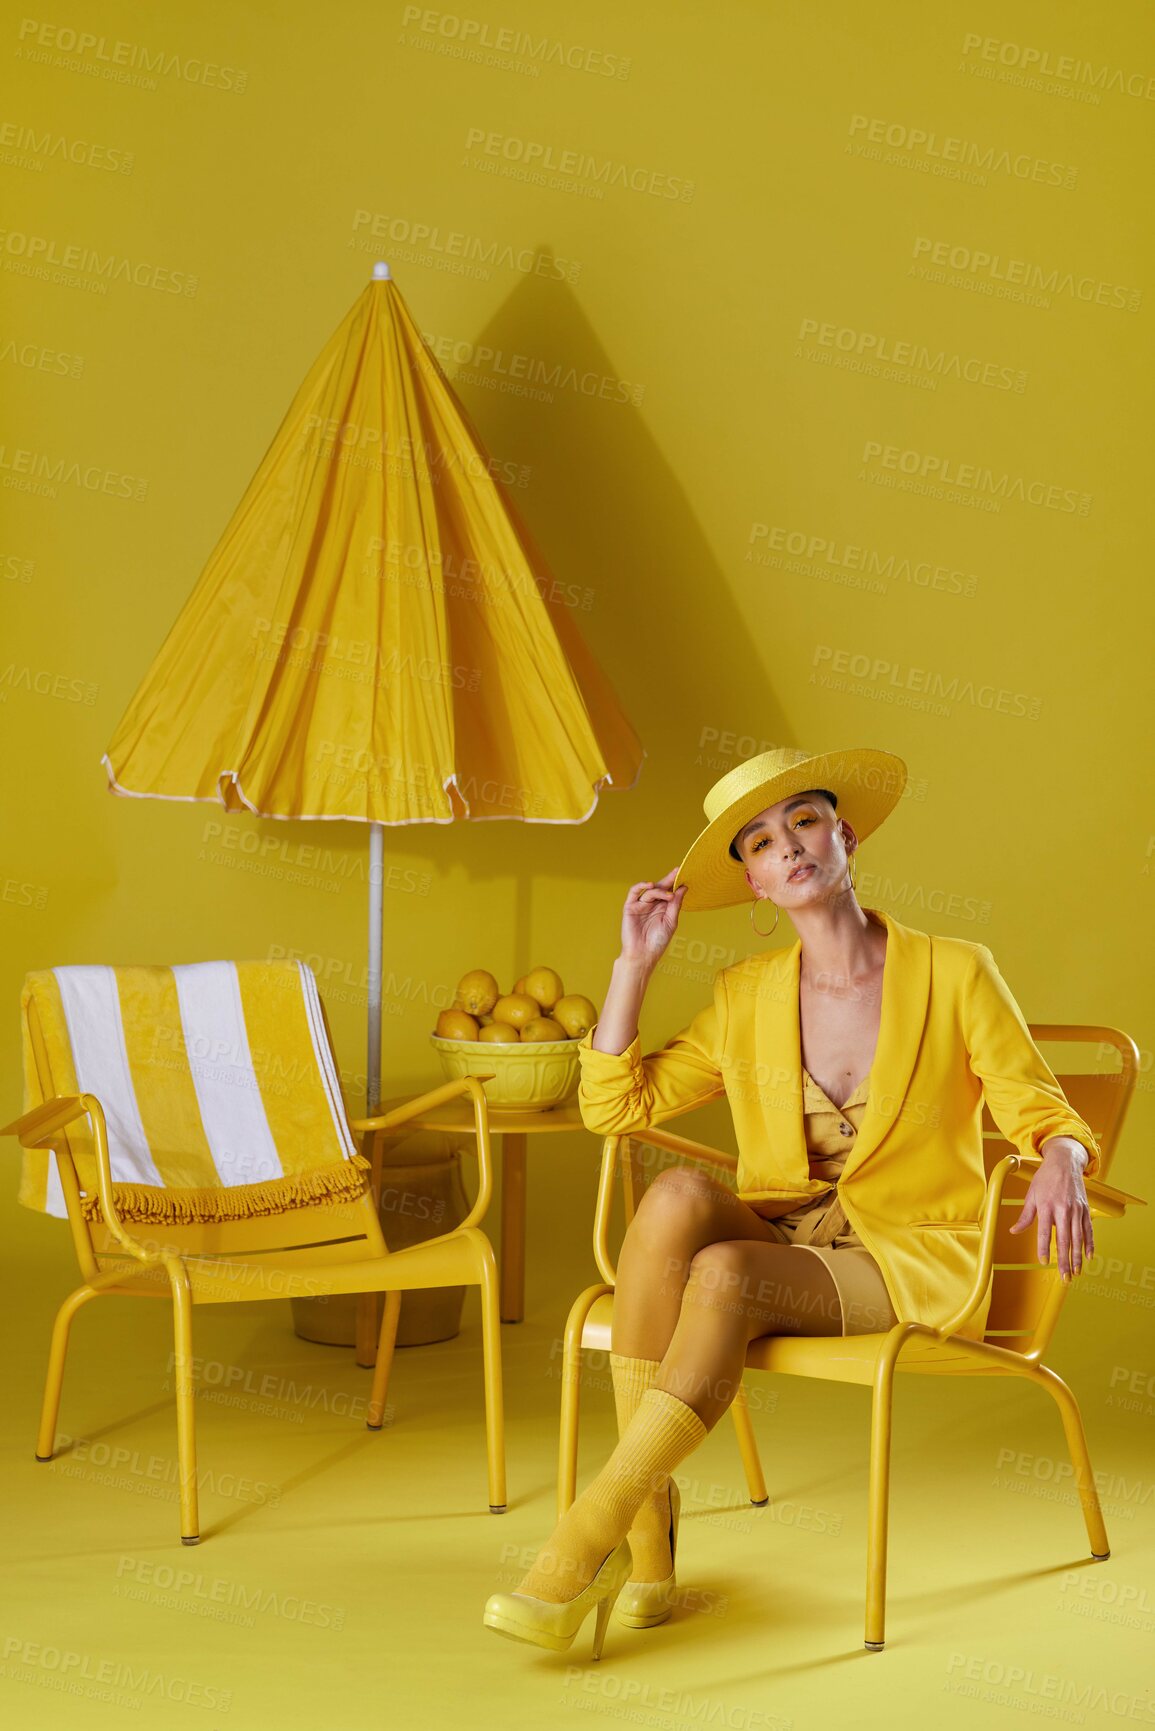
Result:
{"points": [[1025, 1303], [309, 1230]]}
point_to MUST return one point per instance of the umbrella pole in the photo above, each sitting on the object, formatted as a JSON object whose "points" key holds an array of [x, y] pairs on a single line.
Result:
{"points": [[376, 945]]}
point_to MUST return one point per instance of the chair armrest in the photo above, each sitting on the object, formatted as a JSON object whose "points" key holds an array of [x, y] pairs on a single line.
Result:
{"points": [[1111, 1201], [40, 1128], [679, 1145], [682, 1145], [1101, 1198], [420, 1103], [988, 1221], [37, 1128], [400, 1115]]}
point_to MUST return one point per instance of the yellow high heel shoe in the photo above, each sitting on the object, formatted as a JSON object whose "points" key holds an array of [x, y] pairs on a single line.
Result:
{"points": [[524, 1618], [643, 1604]]}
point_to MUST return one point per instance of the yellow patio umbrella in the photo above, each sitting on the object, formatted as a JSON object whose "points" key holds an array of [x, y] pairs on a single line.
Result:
{"points": [[376, 636]]}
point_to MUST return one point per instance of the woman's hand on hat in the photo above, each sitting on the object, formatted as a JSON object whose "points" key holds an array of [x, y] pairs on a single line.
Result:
{"points": [[650, 918]]}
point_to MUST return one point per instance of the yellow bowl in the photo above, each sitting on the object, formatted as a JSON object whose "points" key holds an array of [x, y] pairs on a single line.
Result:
{"points": [[525, 1078]]}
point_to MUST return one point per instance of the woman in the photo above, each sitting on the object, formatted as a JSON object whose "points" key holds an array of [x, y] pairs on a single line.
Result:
{"points": [[861, 1055]]}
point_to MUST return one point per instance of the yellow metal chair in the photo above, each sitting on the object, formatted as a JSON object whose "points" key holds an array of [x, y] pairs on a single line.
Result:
{"points": [[329, 1246], [1025, 1304]]}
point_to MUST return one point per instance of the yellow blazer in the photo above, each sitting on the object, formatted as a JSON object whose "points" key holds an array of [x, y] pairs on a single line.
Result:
{"points": [[913, 1184]]}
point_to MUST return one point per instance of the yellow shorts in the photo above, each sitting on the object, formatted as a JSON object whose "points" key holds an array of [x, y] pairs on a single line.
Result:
{"points": [[862, 1294]]}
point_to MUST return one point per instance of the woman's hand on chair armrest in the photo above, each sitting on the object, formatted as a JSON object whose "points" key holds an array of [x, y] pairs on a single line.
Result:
{"points": [[1056, 1197]]}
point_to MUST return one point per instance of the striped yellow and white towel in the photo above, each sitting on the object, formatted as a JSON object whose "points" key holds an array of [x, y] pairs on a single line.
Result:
{"points": [[217, 1082]]}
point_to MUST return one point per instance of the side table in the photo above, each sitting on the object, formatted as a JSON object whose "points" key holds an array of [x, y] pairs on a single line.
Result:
{"points": [[511, 1131]]}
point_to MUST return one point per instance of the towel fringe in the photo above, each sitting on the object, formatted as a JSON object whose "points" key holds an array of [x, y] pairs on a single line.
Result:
{"points": [[154, 1203]]}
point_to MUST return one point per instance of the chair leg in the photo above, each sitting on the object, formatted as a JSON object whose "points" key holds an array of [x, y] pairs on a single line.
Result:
{"points": [[1080, 1459], [748, 1448], [491, 1369], [383, 1360], [878, 1514], [365, 1344], [513, 1226], [54, 1382], [571, 1383], [571, 1394], [184, 1380]]}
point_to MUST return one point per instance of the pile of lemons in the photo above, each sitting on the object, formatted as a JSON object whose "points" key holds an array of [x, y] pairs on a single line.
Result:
{"points": [[537, 1009]]}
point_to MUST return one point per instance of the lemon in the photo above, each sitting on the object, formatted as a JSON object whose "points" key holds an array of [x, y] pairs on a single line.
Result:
{"points": [[499, 1031], [542, 1028], [544, 985], [519, 985], [576, 1014], [456, 1025], [517, 1008], [476, 991]]}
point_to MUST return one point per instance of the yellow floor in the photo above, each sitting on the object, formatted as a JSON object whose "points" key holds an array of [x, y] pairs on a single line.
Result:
{"points": [[342, 1574]]}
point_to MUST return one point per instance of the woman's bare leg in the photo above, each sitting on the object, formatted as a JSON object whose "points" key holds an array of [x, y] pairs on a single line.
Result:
{"points": [[682, 1212]]}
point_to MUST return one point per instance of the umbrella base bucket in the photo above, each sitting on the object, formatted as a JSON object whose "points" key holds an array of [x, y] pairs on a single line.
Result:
{"points": [[422, 1196]]}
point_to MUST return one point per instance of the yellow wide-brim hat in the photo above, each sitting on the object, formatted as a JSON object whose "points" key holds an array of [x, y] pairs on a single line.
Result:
{"points": [[868, 785]]}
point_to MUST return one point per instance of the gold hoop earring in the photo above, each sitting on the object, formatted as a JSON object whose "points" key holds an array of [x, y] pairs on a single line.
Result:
{"points": [[850, 869], [753, 921]]}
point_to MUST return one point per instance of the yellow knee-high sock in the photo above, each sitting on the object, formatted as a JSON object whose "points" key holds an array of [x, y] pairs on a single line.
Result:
{"points": [[650, 1533], [662, 1432]]}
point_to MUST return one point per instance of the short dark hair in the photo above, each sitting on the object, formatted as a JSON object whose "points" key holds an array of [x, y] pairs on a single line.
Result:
{"points": [[826, 793]]}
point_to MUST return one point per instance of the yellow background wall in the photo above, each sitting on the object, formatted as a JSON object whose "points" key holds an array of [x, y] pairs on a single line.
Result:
{"points": [[855, 495], [853, 318]]}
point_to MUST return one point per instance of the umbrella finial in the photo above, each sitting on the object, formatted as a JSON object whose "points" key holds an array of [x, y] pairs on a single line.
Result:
{"points": [[381, 270]]}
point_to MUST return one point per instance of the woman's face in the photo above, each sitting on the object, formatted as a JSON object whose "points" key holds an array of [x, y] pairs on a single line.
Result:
{"points": [[802, 835]]}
